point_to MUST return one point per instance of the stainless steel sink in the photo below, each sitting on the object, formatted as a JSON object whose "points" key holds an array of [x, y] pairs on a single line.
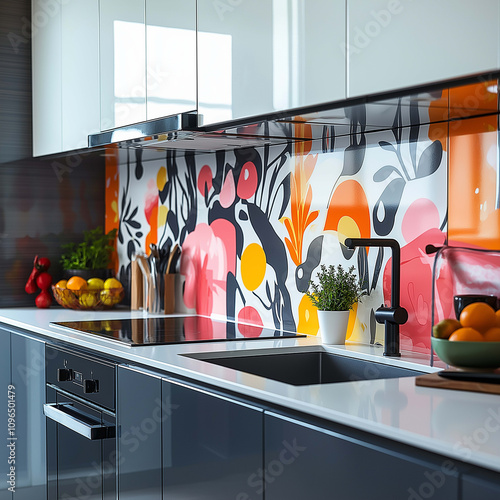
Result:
{"points": [[305, 367]]}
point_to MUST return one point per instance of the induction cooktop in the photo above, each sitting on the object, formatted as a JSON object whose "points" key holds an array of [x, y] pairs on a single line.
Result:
{"points": [[173, 330]]}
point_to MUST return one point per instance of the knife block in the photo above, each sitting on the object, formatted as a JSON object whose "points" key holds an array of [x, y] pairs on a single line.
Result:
{"points": [[169, 293]]}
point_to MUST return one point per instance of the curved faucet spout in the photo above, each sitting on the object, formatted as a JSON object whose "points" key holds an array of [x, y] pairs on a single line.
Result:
{"points": [[395, 315]]}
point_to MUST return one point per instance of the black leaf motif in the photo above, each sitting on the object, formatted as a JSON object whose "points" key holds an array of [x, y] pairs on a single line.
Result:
{"points": [[430, 160], [383, 173], [286, 194], [363, 269], [387, 146], [130, 249], [373, 327], [139, 169], [354, 155], [378, 267], [304, 270], [133, 223], [384, 211]]}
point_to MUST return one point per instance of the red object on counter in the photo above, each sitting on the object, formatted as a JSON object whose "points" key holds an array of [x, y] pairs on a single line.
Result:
{"points": [[44, 280], [43, 299], [40, 278]]}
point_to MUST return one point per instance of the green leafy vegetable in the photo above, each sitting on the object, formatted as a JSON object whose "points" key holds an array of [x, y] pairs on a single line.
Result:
{"points": [[93, 253], [337, 290]]}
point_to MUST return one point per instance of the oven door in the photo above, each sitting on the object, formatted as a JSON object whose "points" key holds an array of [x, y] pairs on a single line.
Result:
{"points": [[81, 449]]}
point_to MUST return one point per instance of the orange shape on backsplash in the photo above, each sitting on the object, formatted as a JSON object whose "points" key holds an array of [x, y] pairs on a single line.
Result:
{"points": [[349, 200], [300, 196], [151, 213], [473, 177]]}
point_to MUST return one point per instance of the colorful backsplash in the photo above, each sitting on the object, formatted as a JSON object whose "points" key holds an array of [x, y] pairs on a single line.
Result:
{"points": [[254, 224]]}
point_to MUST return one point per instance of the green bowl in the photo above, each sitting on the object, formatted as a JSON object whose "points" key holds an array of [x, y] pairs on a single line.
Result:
{"points": [[470, 355]]}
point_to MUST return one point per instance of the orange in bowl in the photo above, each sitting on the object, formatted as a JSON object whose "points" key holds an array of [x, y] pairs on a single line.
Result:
{"points": [[479, 316], [466, 334], [76, 283], [492, 335]]}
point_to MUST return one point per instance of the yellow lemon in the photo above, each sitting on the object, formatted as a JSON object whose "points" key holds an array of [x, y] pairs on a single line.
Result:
{"points": [[88, 299], [95, 284], [112, 283]]}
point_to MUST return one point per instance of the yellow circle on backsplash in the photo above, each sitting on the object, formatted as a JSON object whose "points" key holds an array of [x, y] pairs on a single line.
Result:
{"points": [[253, 266]]}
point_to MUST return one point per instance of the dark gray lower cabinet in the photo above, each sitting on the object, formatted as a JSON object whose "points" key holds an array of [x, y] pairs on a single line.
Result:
{"points": [[305, 461], [139, 419], [212, 445], [481, 486], [5, 380], [28, 381]]}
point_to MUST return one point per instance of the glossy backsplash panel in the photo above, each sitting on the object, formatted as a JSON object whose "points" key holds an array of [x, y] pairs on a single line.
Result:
{"points": [[254, 224], [44, 204]]}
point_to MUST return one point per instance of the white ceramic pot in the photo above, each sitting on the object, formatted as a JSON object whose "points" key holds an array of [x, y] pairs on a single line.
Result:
{"points": [[333, 326]]}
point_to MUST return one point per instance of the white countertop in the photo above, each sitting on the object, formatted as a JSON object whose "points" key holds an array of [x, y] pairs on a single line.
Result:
{"points": [[457, 424]]}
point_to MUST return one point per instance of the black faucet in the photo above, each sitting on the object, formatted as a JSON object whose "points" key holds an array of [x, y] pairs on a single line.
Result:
{"points": [[395, 315]]}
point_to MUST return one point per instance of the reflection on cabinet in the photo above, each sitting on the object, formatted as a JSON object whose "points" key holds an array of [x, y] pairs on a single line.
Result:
{"points": [[47, 80], [5, 380], [122, 55], [139, 418], [305, 461], [26, 371], [80, 72], [260, 56], [170, 57], [65, 75], [397, 44], [212, 444], [485, 486]]}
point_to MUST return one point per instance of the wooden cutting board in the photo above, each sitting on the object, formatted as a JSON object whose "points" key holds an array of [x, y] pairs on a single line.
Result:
{"points": [[434, 380]]}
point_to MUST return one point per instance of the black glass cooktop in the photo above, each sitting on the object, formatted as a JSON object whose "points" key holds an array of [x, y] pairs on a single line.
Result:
{"points": [[173, 330]]}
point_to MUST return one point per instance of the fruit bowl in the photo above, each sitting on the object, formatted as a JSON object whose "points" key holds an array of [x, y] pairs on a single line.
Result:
{"points": [[468, 355], [88, 299]]}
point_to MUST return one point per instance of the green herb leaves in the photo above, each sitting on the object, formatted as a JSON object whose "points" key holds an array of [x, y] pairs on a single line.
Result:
{"points": [[93, 253], [337, 290]]}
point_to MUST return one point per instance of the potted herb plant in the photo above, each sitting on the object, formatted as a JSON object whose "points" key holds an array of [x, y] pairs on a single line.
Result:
{"points": [[334, 296], [91, 257]]}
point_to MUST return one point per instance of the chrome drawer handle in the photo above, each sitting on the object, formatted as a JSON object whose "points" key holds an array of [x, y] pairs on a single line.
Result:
{"points": [[66, 415]]}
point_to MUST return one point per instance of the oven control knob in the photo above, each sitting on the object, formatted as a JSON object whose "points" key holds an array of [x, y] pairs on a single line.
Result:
{"points": [[90, 386], [64, 374]]}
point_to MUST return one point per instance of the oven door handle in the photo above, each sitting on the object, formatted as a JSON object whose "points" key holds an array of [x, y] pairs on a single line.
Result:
{"points": [[66, 415]]}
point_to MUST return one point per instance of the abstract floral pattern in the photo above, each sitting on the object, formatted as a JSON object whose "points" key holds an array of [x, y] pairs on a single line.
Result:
{"points": [[254, 224]]}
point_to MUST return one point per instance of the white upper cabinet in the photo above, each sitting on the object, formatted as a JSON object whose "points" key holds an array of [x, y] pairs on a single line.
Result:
{"points": [[65, 75], [80, 73], [47, 81], [122, 62], [402, 43], [264, 56], [170, 57]]}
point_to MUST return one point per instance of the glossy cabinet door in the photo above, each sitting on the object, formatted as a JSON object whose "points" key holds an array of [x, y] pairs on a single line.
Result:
{"points": [[139, 419], [260, 56], [485, 486], [80, 72], [306, 461], [212, 444], [5, 381], [122, 49], [46, 77], [397, 44], [28, 379], [170, 57]]}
